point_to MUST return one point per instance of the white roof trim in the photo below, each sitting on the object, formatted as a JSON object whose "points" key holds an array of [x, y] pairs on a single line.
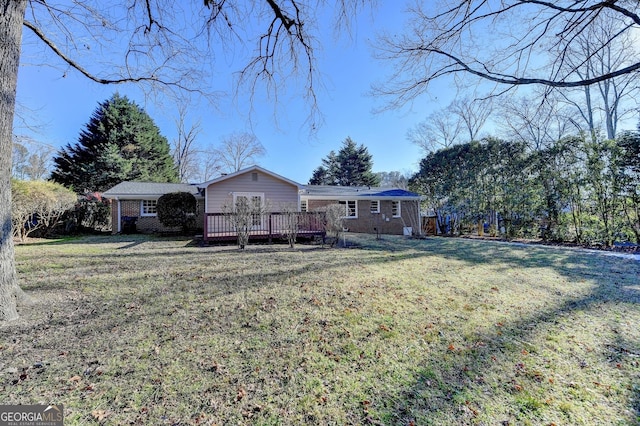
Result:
{"points": [[247, 170], [113, 196]]}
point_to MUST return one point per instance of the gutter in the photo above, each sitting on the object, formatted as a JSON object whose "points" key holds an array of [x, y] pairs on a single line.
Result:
{"points": [[359, 197]]}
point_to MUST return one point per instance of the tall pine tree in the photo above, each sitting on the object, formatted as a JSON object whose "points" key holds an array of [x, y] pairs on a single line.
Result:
{"points": [[351, 166], [120, 142]]}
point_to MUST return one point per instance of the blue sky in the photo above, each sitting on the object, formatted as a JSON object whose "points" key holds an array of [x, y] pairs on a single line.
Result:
{"points": [[63, 105]]}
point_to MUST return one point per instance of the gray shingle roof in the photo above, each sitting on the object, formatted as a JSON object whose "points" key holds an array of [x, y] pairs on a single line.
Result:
{"points": [[356, 191], [147, 189]]}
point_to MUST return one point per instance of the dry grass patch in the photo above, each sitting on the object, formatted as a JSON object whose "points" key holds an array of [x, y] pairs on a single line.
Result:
{"points": [[143, 330]]}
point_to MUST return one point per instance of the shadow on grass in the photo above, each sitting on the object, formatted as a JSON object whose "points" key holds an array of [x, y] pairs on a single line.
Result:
{"points": [[104, 238], [138, 263], [436, 387], [458, 386], [453, 386]]}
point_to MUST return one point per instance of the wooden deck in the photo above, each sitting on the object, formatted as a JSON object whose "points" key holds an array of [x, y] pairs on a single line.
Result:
{"points": [[269, 226]]}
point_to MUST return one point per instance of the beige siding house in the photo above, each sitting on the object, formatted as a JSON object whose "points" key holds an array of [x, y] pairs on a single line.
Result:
{"points": [[273, 191], [366, 209]]}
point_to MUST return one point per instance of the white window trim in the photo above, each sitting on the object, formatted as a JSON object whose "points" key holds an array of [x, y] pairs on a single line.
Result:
{"points": [[377, 205], [142, 212], [304, 205], [399, 209], [346, 208]]}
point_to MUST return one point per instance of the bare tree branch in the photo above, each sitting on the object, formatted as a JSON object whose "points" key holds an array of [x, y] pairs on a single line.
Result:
{"points": [[149, 77], [237, 151], [184, 151], [507, 42]]}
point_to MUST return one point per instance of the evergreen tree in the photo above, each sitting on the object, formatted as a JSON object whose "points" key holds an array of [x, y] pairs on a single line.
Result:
{"points": [[319, 176], [351, 166], [120, 142]]}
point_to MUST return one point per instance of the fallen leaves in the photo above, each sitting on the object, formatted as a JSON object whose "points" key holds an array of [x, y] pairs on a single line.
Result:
{"points": [[99, 415], [240, 394]]}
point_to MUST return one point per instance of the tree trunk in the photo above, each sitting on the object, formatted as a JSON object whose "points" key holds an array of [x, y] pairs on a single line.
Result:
{"points": [[11, 19]]}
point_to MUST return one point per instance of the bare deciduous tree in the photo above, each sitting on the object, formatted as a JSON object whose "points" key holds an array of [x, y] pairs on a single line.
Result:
{"points": [[38, 205], [506, 42], [334, 222], [210, 167], [538, 121], [292, 221], [185, 154], [31, 159], [238, 151], [244, 214], [440, 129], [473, 113], [444, 128], [11, 35], [394, 179], [597, 50]]}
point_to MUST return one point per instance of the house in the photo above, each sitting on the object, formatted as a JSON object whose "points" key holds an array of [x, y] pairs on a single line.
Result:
{"points": [[381, 210]]}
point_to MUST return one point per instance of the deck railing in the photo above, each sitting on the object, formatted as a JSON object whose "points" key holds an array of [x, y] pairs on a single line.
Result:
{"points": [[221, 226]]}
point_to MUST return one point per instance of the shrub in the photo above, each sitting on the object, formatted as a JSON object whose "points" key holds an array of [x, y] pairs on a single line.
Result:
{"points": [[178, 209], [92, 212], [38, 205]]}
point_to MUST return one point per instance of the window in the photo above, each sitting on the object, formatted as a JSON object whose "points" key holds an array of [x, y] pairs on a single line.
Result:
{"points": [[254, 177], [351, 208], [304, 205], [375, 206], [395, 209], [256, 207], [149, 208], [250, 203]]}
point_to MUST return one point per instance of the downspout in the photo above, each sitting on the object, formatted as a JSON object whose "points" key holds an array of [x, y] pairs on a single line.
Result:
{"points": [[119, 216], [205, 227], [419, 218]]}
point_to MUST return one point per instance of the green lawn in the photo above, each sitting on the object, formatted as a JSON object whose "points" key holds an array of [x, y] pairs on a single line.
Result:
{"points": [[142, 330]]}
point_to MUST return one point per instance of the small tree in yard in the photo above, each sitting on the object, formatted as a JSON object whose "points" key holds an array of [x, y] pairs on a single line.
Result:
{"points": [[244, 214], [178, 209], [38, 205], [334, 222], [292, 221]]}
